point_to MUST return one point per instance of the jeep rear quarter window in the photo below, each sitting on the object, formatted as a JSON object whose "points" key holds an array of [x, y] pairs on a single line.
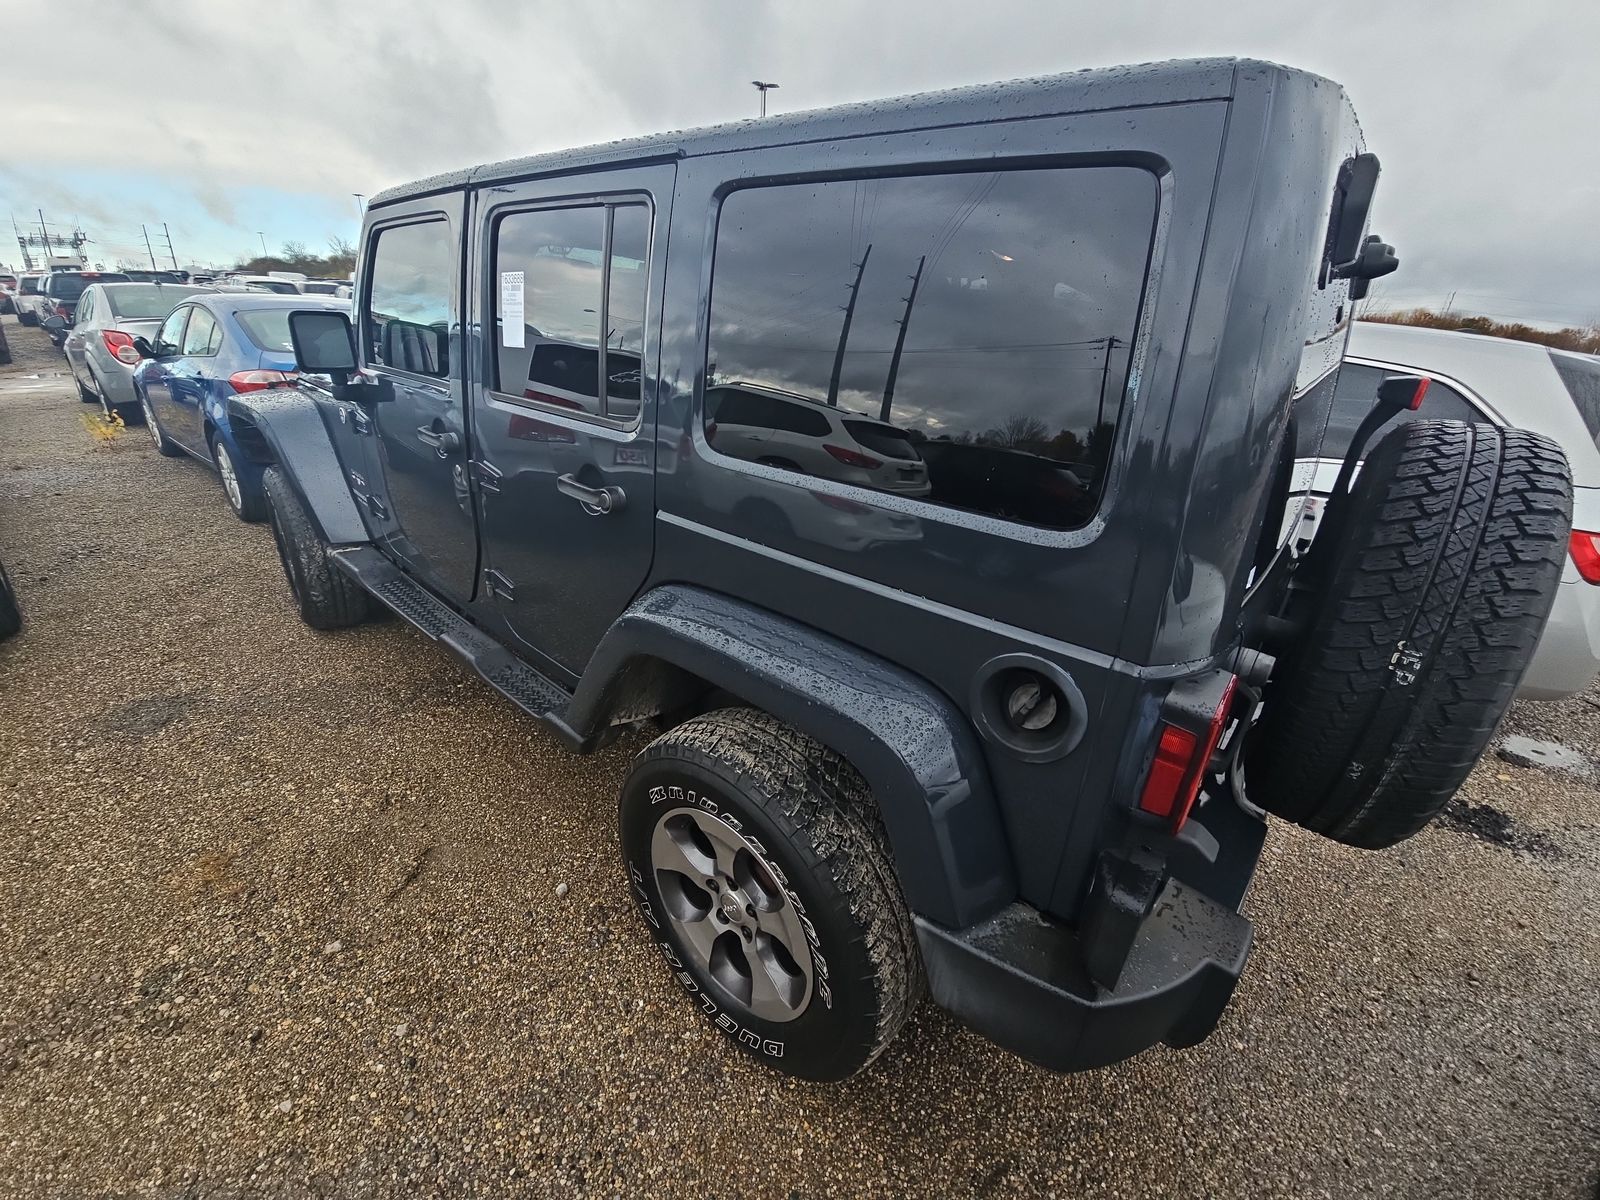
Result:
{"points": [[987, 317]]}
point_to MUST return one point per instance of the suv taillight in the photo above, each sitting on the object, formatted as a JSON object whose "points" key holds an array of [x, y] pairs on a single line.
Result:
{"points": [[120, 345], [63, 311], [1179, 765], [260, 381], [852, 458], [1585, 550]]}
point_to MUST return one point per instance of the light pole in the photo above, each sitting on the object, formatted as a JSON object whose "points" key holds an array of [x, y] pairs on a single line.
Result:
{"points": [[763, 88], [263, 238], [360, 207]]}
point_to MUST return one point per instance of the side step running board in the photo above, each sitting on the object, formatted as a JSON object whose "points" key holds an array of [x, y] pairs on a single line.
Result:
{"points": [[502, 670]]}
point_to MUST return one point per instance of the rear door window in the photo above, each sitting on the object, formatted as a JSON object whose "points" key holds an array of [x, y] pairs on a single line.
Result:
{"points": [[1581, 375], [578, 271], [407, 316], [1357, 391], [980, 321], [202, 338]]}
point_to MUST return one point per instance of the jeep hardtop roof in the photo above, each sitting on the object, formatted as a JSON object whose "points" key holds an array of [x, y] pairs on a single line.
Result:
{"points": [[1094, 90]]}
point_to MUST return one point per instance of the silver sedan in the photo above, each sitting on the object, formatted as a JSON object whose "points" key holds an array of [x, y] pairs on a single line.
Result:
{"points": [[100, 349]]}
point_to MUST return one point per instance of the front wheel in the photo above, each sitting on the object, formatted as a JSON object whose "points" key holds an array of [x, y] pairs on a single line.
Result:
{"points": [[761, 868], [164, 444], [326, 596]]}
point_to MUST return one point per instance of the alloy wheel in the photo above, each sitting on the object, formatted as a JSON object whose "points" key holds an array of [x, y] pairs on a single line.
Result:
{"points": [[737, 922], [230, 477]]}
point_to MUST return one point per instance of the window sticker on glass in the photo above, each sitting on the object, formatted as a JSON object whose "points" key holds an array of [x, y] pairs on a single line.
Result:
{"points": [[511, 315]]}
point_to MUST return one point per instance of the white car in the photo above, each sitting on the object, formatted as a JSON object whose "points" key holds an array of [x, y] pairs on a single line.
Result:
{"points": [[1502, 382], [794, 433]]}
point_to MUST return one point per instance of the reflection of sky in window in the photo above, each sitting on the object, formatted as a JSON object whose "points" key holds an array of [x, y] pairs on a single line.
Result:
{"points": [[1027, 276], [413, 265]]}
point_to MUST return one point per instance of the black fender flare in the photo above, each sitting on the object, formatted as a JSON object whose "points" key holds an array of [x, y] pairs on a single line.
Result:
{"points": [[916, 750], [286, 429]]}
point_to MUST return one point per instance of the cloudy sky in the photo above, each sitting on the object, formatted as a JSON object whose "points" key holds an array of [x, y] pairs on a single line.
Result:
{"points": [[233, 120]]}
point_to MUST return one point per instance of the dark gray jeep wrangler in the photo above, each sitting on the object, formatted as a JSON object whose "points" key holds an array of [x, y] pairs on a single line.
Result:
{"points": [[924, 472]]}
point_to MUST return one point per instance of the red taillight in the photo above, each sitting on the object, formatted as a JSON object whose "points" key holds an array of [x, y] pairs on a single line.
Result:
{"points": [[260, 381], [120, 345], [63, 312], [1179, 765], [852, 458], [1585, 549]]}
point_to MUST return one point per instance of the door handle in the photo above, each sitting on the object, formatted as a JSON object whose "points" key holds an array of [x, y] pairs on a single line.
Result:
{"points": [[597, 502], [444, 443]]}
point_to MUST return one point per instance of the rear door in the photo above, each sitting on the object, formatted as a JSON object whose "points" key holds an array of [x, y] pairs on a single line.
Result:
{"points": [[567, 280], [73, 347], [420, 495], [189, 376]]}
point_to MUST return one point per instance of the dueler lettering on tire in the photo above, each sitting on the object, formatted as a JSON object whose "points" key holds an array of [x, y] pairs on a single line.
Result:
{"points": [[760, 867], [1435, 588]]}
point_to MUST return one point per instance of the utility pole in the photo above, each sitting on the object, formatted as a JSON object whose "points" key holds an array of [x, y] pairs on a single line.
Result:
{"points": [[148, 248], [263, 238], [172, 254], [762, 87], [1105, 371], [844, 330], [46, 234], [900, 342]]}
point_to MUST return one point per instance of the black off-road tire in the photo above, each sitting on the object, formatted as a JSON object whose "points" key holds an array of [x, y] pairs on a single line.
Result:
{"points": [[326, 596], [10, 614], [811, 814], [1440, 574], [28, 318]]}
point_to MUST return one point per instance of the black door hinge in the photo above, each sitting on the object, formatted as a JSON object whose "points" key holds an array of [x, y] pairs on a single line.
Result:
{"points": [[487, 474], [497, 584]]}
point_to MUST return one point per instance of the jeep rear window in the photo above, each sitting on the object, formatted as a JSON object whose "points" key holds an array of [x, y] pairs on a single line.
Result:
{"points": [[1356, 393], [988, 317], [1582, 378]]}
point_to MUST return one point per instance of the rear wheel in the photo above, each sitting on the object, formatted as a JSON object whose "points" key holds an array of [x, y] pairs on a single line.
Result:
{"points": [[326, 596], [1439, 575], [762, 871], [244, 496]]}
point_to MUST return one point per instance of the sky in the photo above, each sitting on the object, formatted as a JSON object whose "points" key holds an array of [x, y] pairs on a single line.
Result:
{"points": [[241, 121]]}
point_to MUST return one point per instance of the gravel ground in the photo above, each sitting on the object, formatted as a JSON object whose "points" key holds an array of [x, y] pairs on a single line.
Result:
{"points": [[279, 915]]}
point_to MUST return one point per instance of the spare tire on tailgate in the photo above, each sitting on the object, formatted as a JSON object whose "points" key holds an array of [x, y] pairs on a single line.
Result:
{"points": [[1432, 583]]}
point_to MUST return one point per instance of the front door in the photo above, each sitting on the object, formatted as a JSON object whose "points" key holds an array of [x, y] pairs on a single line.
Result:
{"points": [[155, 378], [567, 283], [420, 497]]}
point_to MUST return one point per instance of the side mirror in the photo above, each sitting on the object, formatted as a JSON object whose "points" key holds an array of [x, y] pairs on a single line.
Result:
{"points": [[54, 324], [324, 343], [143, 346]]}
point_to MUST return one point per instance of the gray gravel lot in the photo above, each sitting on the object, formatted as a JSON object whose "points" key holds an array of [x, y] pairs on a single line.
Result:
{"points": [[279, 915]]}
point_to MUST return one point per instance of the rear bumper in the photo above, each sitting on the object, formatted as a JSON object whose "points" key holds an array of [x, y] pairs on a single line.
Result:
{"points": [[1019, 979], [1568, 654]]}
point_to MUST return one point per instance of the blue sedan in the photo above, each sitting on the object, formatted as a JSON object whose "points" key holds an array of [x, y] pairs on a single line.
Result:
{"points": [[209, 348]]}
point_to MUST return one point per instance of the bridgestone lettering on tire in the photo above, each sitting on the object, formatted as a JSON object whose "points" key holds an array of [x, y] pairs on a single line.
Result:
{"points": [[326, 596], [1445, 567], [808, 823]]}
